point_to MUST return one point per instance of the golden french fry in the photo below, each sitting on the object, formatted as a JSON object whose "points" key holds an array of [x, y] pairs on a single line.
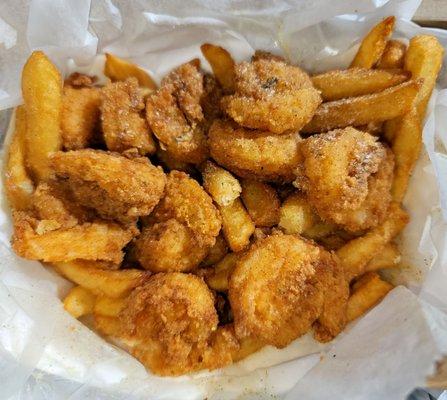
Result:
{"points": [[373, 128], [339, 84], [388, 257], [373, 44], [356, 254], [296, 214], [108, 306], [118, 69], [18, 185], [368, 291], [42, 94], [222, 64], [237, 225], [218, 280], [262, 202], [361, 110], [217, 252], [101, 282], [393, 55], [319, 230], [79, 301], [222, 186]]}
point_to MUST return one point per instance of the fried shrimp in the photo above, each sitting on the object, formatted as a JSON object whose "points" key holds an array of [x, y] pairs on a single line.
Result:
{"points": [[254, 154], [116, 187], [346, 175], [168, 322], [123, 125], [282, 286], [271, 95], [175, 115]]}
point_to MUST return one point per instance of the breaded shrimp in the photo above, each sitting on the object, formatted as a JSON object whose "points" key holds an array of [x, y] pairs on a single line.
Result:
{"points": [[346, 175], [254, 154], [272, 95], [116, 187], [123, 125], [281, 286], [175, 115]]}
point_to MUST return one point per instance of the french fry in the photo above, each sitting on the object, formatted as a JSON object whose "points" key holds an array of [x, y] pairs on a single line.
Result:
{"points": [[319, 230], [109, 326], [219, 279], [296, 214], [335, 85], [393, 55], [217, 252], [79, 302], [361, 110], [221, 63], [108, 307], [262, 202], [357, 253], [368, 291], [388, 257], [42, 94], [223, 187], [237, 225], [423, 60], [118, 69], [18, 185], [373, 44], [102, 282]]}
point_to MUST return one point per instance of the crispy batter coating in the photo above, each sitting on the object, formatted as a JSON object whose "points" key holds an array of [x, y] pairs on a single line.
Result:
{"points": [[47, 241], [254, 154], [80, 116], [281, 286], [346, 175], [123, 125], [272, 95], [187, 202], [175, 114], [169, 246], [116, 187], [168, 322]]}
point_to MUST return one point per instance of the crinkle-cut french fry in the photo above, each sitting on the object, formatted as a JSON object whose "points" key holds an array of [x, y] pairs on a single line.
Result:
{"points": [[217, 252], [18, 185], [296, 214], [237, 225], [361, 110], [221, 63], [356, 254], [99, 281], [118, 69], [79, 301], [108, 306], [373, 44], [339, 84], [368, 291], [262, 202], [218, 280], [393, 55], [388, 257], [223, 187], [42, 94]]}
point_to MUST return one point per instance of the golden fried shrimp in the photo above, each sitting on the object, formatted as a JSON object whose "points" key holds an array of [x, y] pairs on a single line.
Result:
{"points": [[254, 154], [123, 125], [187, 202], [281, 286], [169, 246], [116, 187], [168, 322], [175, 115], [346, 175], [80, 116], [272, 95]]}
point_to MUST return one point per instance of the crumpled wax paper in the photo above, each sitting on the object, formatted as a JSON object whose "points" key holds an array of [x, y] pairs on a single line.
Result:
{"points": [[46, 354]]}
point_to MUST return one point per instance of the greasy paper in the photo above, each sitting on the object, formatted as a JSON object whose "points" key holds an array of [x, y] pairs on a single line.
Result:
{"points": [[45, 353]]}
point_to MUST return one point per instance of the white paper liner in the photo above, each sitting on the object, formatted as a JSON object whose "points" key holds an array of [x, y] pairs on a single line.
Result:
{"points": [[45, 353]]}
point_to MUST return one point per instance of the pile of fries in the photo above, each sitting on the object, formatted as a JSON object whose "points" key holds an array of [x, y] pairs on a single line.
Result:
{"points": [[136, 218]]}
